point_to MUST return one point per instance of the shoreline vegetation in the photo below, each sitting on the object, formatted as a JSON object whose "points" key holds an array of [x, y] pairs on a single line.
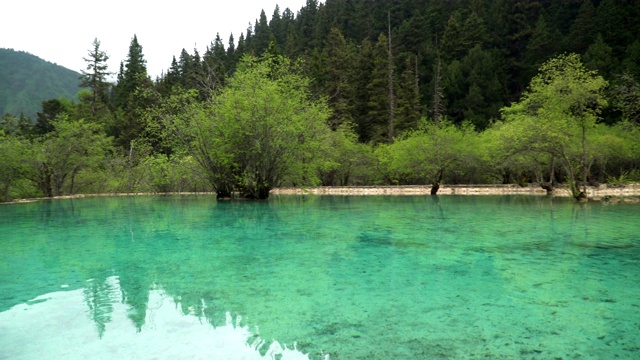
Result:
{"points": [[626, 193]]}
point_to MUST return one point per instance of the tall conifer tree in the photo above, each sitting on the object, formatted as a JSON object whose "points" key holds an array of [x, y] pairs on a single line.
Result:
{"points": [[95, 77]]}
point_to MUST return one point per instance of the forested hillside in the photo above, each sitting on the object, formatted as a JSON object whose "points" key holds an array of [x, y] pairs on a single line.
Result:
{"points": [[26, 81], [407, 92], [477, 56]]}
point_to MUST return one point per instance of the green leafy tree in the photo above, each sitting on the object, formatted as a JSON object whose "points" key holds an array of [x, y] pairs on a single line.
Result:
{"points": [[262, 129], [429, 154], [13, 158], [556, 115], [62, 157], [15, 125], [345, 160]]}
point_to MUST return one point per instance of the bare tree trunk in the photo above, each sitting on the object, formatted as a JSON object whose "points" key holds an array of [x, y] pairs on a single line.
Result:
{"points": [[585, 170], [436, 184], [390, 125], [437, 90], [549, 186]]}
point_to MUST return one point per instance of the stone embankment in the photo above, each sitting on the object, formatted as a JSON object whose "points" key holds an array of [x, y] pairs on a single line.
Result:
{"points": [[629, 192], [511, 189]]}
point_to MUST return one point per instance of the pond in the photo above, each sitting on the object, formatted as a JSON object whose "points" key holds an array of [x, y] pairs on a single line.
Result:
{"points": [[339, 277]]}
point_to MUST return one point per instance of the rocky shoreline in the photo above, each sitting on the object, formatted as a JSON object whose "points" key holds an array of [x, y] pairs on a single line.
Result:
{"points": [[628, 193], [630, 190]]}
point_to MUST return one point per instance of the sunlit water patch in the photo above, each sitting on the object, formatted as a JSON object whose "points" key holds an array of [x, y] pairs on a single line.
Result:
{"points": [[340, 277]]}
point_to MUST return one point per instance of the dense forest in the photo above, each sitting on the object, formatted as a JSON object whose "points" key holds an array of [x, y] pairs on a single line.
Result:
{"points": [[354, 93], [26, 81]]}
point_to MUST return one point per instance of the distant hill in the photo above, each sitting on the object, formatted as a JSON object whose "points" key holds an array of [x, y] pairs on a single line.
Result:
{"points": [[26, 80]]}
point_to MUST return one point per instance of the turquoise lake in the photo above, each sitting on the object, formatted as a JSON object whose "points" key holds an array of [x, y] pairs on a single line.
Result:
{"points": [[323, 277]]}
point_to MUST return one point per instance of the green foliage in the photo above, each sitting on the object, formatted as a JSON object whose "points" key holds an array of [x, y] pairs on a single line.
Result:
{"points": [[431, 154], [244, 126], [625, 97], [13, 157], [344, 161], [259, 131], [133, 94], [95, 79], [557, 114], [61, 161]]}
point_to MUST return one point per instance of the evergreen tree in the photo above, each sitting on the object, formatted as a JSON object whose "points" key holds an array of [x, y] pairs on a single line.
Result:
{"points": [[364, 76], [599, 57], [214, 68], [582, 31], [260, 41], [631, 61], [95, 78], [173, 77], [51, 109], [408, 109], [133, 96], [241, 50], [231, 55], [612, 23], [452, 45], [338, 59], [542, 45], [378, 91], [277, 25]]}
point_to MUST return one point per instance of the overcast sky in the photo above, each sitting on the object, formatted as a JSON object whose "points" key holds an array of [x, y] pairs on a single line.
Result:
{"points": [[62, 31]]}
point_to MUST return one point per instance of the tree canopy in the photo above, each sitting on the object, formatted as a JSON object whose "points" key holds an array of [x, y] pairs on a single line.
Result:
{"points": [[352, 92]]}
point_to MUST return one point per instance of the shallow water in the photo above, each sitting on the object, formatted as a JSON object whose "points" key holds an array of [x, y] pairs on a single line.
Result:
{"points": [[352, 277]]}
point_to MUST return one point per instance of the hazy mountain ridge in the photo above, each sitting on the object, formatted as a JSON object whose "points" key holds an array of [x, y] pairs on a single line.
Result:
{"points": [[26, 80]]}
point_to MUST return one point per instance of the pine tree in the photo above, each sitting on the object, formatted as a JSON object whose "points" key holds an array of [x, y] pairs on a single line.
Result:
{"points": [[408, 110], [132, 76], [599, 57], [95, 78], [582, 31], [542, 45], [364, 75], [452, 46], [611, 22], [390, 85], [378, 91], [133, 94], [231, 56], [277, 26], [214, 68], [260, 41], [337, 62]]}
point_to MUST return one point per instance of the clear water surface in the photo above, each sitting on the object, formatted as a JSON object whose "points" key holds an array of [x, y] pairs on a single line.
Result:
{"points": [[375, 277]]}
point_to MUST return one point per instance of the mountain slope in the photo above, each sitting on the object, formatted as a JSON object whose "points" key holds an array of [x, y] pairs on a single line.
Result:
{"points": [[26, 81]]}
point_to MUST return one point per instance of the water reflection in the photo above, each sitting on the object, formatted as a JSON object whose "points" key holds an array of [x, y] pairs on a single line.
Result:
{"points": [[95, 322]]}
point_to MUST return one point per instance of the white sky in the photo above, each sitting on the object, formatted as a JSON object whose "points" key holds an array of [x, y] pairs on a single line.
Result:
{"points": [[62, 31]]}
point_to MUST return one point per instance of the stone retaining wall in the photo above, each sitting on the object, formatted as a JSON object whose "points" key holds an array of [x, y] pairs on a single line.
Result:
{"points": [[532, 189]]}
